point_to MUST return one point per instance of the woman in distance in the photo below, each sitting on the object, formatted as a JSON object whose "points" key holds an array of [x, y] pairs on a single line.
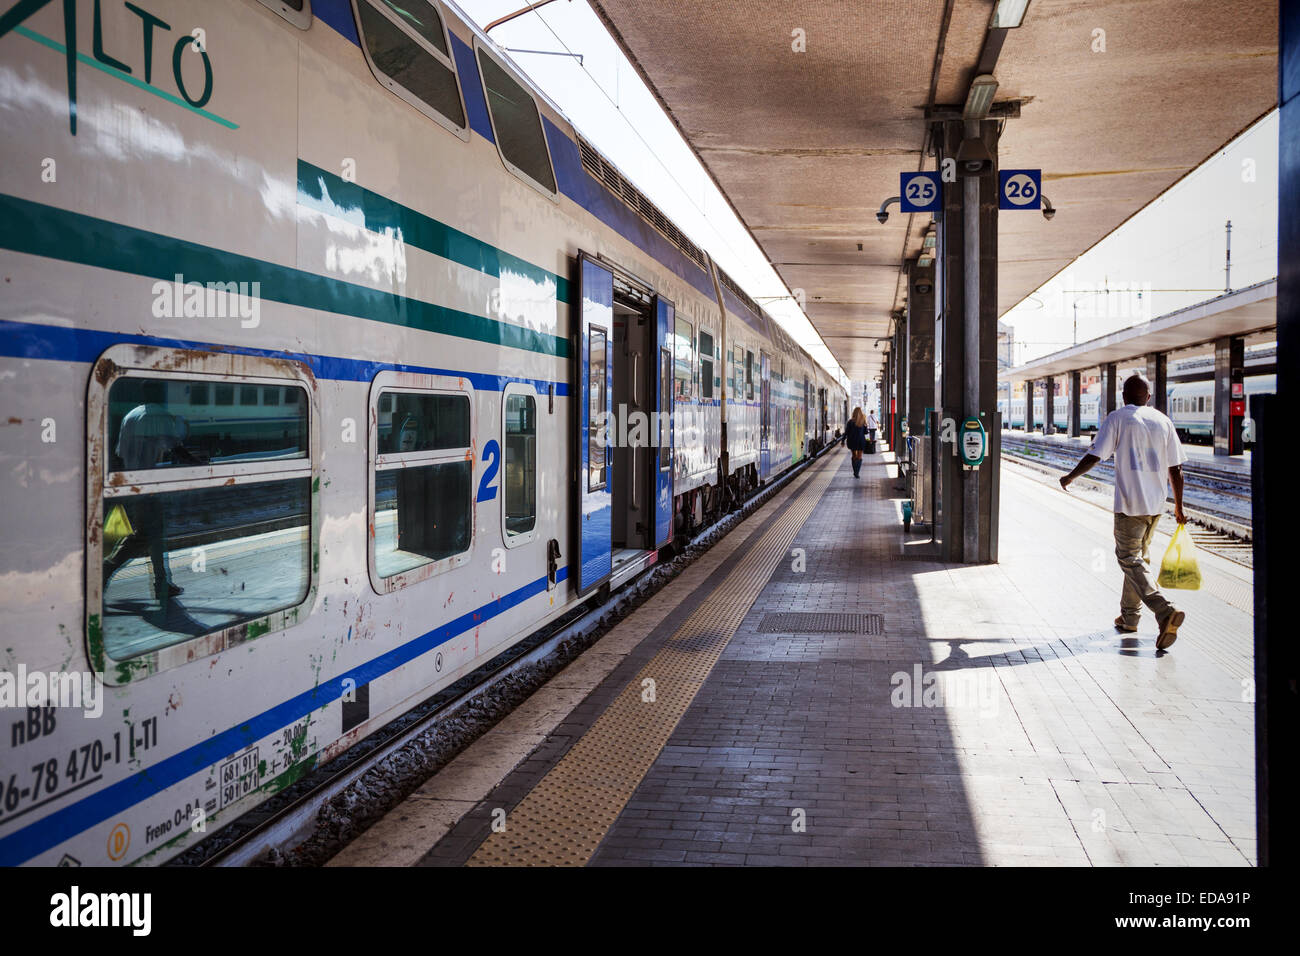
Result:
{"points": [[855, 438]]}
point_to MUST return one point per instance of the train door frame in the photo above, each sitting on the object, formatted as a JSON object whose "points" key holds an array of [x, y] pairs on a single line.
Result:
{"points": [[635, 370], [593, 553], [666, 438], [764, 414]]}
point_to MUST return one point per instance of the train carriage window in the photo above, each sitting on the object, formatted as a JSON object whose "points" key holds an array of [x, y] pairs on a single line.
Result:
{"points": [[665, 407], [597, 412], [706, 364], [203, 512], [406, 45], [749, 376], [519, 467], [422, 502], [683, 360], [516, 124]]}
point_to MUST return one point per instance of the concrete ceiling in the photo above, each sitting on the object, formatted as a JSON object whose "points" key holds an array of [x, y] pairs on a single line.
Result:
{"points": [[807, 145]]}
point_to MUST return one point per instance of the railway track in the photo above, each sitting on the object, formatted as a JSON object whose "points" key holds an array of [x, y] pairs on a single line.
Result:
{"points": [[289, 816], [1222, 531]]}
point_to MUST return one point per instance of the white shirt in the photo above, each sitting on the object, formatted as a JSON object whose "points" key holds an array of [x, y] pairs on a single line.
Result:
{"points": [[871, 420], [1145, 446]]}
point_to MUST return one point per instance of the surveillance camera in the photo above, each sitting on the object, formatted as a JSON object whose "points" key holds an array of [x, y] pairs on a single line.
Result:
{"points": [[1048, 212], [923, 288], [882, 217], [974, 157]]}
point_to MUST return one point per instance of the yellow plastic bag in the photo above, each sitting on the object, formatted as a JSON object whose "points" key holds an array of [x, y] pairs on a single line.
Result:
{"points": [[117, 528], [1178, 568]]}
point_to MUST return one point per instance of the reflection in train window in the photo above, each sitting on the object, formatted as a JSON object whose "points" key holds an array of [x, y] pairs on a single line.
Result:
{"points": [[683, 360], [706, 364], [408, 52], [416, 421], [665, 407], [520, 465], [597, 412], [423, 508], [181, 564], [516, 122], [156, 423], [227, 543]]}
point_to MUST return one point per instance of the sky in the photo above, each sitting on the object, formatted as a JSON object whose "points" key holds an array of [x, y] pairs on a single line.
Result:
{"points": [[608, 103], [1176, 242], [1168, 256]]}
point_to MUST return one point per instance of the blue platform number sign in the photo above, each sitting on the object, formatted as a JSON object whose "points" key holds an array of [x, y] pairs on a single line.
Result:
{"points": [[919, 192], [1020, 189]]}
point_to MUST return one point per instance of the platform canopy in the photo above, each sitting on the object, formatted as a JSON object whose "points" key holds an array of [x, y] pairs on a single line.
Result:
{"points": [[1117, 101], [1240, 313]]}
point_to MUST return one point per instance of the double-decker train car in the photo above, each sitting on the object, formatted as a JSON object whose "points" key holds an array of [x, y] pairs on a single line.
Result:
{"points": [[334, 362]]}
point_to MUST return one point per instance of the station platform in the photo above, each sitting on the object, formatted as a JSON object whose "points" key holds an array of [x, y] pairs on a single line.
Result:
{"points": [[812, 692]]}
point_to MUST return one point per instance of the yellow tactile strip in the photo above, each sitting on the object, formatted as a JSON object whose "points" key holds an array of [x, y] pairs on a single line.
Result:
{"points": [[562, 820]]}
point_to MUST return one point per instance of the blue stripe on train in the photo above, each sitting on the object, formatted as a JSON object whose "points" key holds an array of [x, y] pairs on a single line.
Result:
{"points": [[60, 343], [22, 845]]}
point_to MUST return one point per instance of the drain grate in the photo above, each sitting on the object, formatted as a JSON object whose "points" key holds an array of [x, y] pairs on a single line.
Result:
{"points": [[820, 622]]}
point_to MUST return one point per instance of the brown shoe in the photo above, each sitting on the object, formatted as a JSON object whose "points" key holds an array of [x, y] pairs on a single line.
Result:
{"points": [[1169, 630], [1124, 628]]}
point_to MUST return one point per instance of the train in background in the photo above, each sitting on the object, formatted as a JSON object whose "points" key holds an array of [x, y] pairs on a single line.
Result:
{"points": [[1190, 406], [461, 377]]}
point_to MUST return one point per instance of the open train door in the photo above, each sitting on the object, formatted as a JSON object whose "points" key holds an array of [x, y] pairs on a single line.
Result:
{"points": [[595, 395], [665, 436]]}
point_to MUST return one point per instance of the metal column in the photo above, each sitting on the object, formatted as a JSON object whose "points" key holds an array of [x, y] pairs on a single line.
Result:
{"points": [[1229, 394], [1029, 406], [920, 349], [1276, 521], [1076, 380], [1158, 376], [1108, 389], [966, 347], [1049, 406]]}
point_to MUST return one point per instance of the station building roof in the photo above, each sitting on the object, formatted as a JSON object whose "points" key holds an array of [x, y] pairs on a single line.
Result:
{"points": [[1239, 313]]}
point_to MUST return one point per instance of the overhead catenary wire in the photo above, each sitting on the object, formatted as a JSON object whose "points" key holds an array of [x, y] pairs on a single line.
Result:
{"points": [[821, 342]]}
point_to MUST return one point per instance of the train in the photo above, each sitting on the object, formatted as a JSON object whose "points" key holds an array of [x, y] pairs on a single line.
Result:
{"points": [[1190, 406], [336, 361]]}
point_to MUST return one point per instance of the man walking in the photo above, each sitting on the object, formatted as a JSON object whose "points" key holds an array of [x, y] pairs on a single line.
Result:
{"points": [[1147, 455]]}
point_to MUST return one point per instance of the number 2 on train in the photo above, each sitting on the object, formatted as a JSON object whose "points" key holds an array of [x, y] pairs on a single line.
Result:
{"points": [[492, 456]]}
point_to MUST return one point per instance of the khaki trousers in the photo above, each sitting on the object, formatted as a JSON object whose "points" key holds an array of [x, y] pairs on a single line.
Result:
{"points": [[1133, 550]]}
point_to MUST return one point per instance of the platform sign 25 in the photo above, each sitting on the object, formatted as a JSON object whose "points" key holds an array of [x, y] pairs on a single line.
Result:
{"points": [[1020, 189], [919, 192]]}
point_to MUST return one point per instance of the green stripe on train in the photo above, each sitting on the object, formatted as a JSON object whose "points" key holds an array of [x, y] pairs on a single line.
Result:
{"points": [[322, 188], [42, 230]]}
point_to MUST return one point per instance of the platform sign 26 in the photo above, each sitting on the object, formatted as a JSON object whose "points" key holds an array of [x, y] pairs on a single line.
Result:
{"points": [[1020, 189], [919, 192]]}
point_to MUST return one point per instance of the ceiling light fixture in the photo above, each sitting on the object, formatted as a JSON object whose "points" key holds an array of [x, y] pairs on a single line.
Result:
{"points": [[1008, 14], [980, 97]]}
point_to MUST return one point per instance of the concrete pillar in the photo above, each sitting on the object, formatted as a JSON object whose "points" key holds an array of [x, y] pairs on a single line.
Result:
{"points": [[1029, 406], [920, 348], [966, 346], [1049, 406], [1229, 394], [1108, 390], [1075, 403], [1158, 376]]}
